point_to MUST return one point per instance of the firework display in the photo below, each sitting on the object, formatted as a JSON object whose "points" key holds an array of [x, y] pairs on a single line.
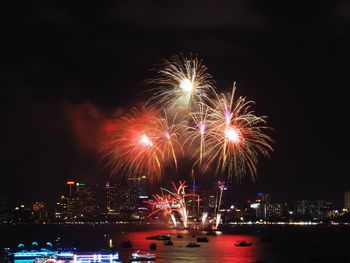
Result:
{"points": [[144, 143], [185, 116], [234, 137], [181, 82], [171, 202]]}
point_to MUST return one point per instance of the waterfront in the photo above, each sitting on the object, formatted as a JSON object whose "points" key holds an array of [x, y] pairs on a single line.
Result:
{"points": [[309, 244]]}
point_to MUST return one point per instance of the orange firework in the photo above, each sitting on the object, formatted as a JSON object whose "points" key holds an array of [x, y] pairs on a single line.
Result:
{"points": [[145, 143]]}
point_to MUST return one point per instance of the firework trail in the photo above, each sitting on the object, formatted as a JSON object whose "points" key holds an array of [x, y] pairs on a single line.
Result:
{"points": [[204, 218], [218, 219], [181, 82], [167, 132], [196, 130]]}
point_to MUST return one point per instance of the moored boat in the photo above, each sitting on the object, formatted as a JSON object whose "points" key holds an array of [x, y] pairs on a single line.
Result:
{"points": [[202, 239], [193, 244], [142, 256], [243, 244]]}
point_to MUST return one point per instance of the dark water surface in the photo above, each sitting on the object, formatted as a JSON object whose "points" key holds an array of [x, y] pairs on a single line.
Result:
{"points": [[309, 244]]}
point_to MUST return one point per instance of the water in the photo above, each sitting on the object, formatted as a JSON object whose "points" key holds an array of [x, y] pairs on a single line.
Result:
{"points": [[284, 244]]}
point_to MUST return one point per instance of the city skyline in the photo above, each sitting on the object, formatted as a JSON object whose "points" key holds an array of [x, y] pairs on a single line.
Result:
{"points": [[65, 74], [102, 195]]}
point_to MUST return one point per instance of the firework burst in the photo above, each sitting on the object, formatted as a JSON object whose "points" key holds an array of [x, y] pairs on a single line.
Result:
{"points": [[172, 201], [234, 137], [145, 142], [181, 82], [219, 131]]}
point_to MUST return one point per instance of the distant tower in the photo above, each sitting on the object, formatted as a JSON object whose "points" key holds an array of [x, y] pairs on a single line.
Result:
{"points": [[70, 183], [347, 201]]}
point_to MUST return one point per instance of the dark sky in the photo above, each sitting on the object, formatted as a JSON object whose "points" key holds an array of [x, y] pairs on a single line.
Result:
{"points": [[64, 70]]}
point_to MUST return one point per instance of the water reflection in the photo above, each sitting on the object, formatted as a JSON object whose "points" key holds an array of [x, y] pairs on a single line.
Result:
{"points": [[220, 248]]}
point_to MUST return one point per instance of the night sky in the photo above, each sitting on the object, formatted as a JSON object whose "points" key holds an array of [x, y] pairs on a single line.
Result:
{"points": [[66, 70]]}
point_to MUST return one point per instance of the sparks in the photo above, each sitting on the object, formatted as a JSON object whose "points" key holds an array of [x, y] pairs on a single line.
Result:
{"points": [[232, 134], [181, 82], [186, 85], [144, 140]]}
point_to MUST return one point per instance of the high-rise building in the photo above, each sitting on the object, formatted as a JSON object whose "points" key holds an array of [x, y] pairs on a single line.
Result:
{"points": [[85, 200], [313, 208], [111, 198], [347, 201], [61, 211], [274, 210]]}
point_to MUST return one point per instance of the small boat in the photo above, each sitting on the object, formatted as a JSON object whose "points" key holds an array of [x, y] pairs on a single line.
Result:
{"points": [[168, 243], [193, 244], [141, 255], [243, 244], [202, 239], [153, 246], [45, 260], [179, 236], [162, 237]]}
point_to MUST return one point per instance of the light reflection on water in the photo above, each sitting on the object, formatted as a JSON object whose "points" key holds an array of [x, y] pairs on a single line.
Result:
{"points": [[289, 244], [220, 248]]}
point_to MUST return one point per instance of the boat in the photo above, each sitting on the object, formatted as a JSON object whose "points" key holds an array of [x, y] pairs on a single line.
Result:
{"points": [[168, 243], [193, 244], [202, 239], [243, 244], [161, 237], [179, 236], [100, 256], [153, 246], [141, 255], [32, 254], [45, 260]]}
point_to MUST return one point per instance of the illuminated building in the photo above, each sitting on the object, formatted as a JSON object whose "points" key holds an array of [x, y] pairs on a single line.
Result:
{"points": [[313, 208], [61, 210], [133, 192], [274, 210], [85, 200], [347, 201], [111, 198], [261, 205], [70, 205]]}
